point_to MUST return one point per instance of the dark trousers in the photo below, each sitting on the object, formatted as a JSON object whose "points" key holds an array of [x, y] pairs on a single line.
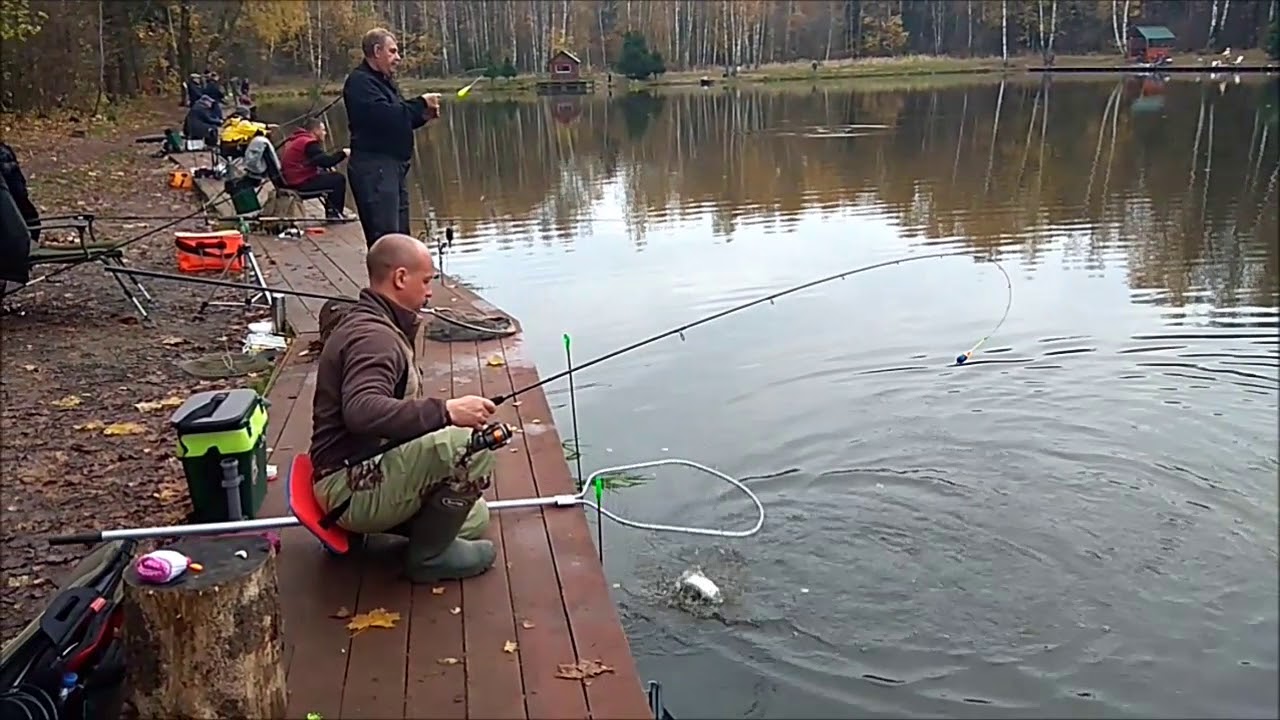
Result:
{"points": [[334, 187], [379, 184]]}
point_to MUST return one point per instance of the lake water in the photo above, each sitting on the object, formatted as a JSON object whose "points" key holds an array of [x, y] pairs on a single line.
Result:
{"points": [[1081, 521]]}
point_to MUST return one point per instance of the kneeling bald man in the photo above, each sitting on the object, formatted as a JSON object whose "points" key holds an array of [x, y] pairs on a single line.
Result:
{"points": [[368, 394]]}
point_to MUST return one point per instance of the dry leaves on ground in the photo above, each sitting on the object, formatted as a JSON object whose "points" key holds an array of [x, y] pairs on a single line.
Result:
{"points": [[342, 613], [528, 625], [437, 591], [582, 670], [377, 618], [153, 405], [124, 428], [67, 402], [496, 361], [448, 661], [510, 646]]}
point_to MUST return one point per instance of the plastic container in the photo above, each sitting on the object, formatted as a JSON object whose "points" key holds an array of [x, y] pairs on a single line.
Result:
{"points": [[217, 250], [218, 426]]}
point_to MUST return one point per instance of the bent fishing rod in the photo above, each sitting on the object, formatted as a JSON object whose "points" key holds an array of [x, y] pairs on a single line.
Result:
{"points": [[961, 359]]}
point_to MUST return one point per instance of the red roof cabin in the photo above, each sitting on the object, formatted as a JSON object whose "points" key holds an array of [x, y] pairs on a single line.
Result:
{"points": [[564, 65]]}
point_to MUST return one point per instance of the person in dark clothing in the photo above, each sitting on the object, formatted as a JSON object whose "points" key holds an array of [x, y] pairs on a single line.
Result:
{"points": [[381, 123], [194, 88], [203, 121], [306, 167], [213, 88], [16, 182], [15, 251]]}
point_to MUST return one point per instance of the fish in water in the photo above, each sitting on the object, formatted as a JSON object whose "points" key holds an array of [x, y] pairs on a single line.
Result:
{"points": [[698, 586]]}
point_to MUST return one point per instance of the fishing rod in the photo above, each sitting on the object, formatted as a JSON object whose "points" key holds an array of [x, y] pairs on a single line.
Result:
{"points": [[276, 291], [960, 359], [95, 255]]}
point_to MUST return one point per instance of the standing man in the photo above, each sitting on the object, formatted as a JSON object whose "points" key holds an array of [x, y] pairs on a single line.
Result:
{"points": [[382, 124]]}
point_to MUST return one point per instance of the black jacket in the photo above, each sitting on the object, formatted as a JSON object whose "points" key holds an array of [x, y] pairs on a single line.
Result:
{"points": [[16, 246], [379, 119]]}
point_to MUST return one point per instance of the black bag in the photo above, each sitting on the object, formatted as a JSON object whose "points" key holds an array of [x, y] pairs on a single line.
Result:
{"points": [[68, 663]]}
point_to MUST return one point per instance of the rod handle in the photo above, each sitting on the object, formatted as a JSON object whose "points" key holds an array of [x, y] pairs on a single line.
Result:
{"points": [[84, 538]]}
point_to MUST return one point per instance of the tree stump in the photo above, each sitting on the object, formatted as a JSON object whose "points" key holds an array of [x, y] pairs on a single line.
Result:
{"points": [[208, 644]]}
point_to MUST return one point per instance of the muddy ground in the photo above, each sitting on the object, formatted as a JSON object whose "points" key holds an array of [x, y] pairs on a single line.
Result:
{"points": [[82, 444]]}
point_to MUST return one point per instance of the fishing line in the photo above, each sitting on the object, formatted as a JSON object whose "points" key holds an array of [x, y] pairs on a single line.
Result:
{"points": [[280, 291], [92, 255], [960, 359]]}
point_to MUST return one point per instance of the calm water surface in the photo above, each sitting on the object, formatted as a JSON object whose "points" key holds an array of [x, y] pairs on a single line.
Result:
{"points": [[1080, 522]]}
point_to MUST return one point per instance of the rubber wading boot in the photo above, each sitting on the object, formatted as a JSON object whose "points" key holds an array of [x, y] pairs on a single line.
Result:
{"points": [[435, 551]]}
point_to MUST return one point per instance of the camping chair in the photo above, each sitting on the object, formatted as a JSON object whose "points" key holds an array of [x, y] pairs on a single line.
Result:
{"points": [[87, 249], [68, 662], [262, 166]]}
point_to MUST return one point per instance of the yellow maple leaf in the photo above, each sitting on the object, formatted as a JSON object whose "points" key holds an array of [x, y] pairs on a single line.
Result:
{"points": [[152, 405], [377, 618], [124, 428], [496, 361], [69, 401], [509, 646]]}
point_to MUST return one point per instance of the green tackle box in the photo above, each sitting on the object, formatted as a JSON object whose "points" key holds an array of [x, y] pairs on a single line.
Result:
{"points": [[223, 425]]}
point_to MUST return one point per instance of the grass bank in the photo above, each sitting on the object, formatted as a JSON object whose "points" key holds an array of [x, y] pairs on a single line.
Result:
{"points": [[865, 68]]}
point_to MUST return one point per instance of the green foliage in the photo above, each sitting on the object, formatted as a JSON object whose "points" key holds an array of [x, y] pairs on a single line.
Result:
{"points": [[17, 21], [495, 70], [636, 61]]}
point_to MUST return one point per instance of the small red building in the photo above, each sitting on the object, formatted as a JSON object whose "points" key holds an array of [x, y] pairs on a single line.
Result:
{"points": [[1150, 43], [564, 65]]}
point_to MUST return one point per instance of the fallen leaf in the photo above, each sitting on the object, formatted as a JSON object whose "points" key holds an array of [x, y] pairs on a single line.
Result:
{"points": [[536, 421], [172, 340], [153, 405], [342, 614], [69, 401], [377, 618], [448, 661], [124, 428], [509, 646], [437, 590], [527, 625], [496, 361], [30, 368], [582, 669], [91, 425], [455, 610]]}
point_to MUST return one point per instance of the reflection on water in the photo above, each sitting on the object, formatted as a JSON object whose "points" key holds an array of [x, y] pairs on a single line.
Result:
{"points": [[1080, 522]]}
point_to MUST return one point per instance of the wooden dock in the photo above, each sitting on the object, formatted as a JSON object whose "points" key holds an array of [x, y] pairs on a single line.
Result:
{"points": [[581, 86], [448, 656]]}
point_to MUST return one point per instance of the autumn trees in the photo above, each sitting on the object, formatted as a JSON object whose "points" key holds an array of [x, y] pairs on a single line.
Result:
{"points": [[127, 47]]}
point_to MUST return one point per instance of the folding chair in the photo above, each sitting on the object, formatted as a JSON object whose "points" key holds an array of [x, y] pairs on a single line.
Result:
{"points": [[88, 249]]}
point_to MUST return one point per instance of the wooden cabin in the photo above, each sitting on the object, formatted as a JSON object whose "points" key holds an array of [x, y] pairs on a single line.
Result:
{"points": [[564, 71], [564, 65], [1150, 43]]}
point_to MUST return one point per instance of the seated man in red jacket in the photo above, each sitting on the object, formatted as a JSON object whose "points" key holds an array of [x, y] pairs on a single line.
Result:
{"points": [[306, 167]]}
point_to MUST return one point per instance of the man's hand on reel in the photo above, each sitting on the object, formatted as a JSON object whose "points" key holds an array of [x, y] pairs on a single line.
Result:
{"points": [[471, 411]]}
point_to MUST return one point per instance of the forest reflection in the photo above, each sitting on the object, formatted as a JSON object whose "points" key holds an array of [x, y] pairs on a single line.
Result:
{"points": [[1174, 178]]}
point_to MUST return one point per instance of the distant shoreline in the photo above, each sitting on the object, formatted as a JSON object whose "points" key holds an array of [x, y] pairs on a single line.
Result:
{"points": [[869, 69]]}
